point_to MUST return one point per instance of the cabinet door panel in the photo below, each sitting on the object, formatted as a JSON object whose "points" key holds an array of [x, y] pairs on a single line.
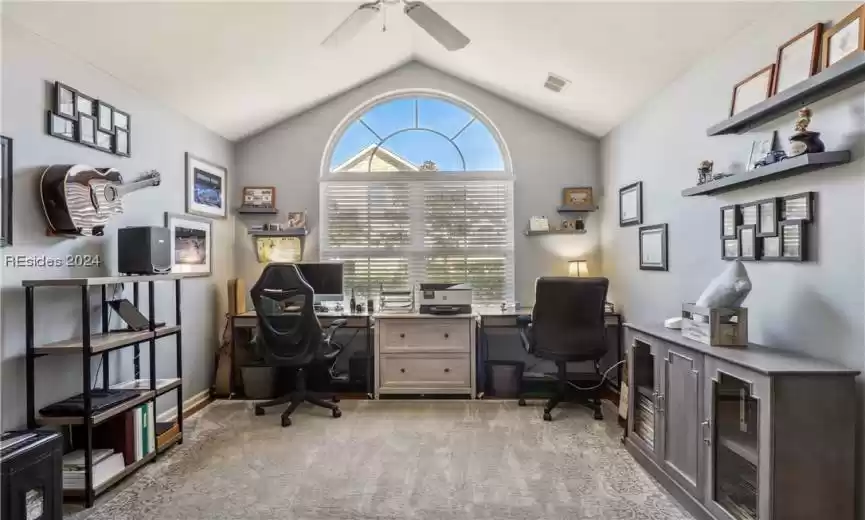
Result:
{"points": [[681, 407], [644, 428]]}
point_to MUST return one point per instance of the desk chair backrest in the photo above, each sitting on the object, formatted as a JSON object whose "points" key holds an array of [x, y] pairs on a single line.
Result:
{"points": [[288, 329], [568, 318]]}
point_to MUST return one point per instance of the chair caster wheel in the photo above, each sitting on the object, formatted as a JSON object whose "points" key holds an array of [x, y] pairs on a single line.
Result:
{"points": [[334, 399], [599, 416], [337, 413], [286, 421], [548, 416], [521, 402], [259, 410]]}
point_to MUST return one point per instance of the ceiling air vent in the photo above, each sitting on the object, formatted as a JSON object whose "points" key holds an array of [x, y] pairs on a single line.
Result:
{"points": [[556, 83]]}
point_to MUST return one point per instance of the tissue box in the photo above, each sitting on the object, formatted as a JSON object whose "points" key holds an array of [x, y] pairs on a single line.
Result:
{"points": [[715, 326]]}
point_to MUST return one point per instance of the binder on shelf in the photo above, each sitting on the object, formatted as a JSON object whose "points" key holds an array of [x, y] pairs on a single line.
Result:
{"points": [[102, 472]]}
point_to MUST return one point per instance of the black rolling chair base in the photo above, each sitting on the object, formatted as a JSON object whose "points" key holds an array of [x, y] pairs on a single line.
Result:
{"points": [[298, 397]]}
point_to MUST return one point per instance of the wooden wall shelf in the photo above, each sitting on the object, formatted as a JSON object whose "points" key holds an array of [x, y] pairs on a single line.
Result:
{"points": [[257, 211], [786, 168], [530, 233], [840, 76], [284, 233], [574, 209]]}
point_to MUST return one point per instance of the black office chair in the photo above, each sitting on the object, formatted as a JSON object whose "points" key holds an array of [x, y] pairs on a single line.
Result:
{"points": [[567, 325], [289, 334]]}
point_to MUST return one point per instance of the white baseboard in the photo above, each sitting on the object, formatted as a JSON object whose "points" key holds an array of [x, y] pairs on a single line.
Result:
{"points": [[171, 414]]}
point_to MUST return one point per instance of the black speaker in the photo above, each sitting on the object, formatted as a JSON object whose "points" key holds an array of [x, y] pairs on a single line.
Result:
{"points": [[143, 250]]}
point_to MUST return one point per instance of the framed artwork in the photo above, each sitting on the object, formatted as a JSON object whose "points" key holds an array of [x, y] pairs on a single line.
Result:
{"points": [[206, 187], [750, 214], [577, 197], [103, 140], [761, 147], [792, 240], [631, 204], [60, 127], [731, 248], [296, 220], [798, 59], [259, 196], [278, 249], [84, 104], [64, 101], [798, 206], [844, 38], [755, 88], [653, 248], [86, 129], [772, 247], [729, 221], [767, 217], [105, 117], [748, 249], [121, 142], [191, 243], [121, 120], [6, 196]]}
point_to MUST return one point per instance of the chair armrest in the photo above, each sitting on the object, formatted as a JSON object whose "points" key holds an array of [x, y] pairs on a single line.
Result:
{"points": [[524, 324], [332, 328]]}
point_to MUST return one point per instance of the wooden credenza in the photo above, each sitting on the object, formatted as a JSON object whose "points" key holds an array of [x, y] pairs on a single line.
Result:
{"points": [[742, 433], [424, 354]]}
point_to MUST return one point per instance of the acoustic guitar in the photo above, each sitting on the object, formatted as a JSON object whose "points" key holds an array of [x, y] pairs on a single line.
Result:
{"points": [[79, 200]]}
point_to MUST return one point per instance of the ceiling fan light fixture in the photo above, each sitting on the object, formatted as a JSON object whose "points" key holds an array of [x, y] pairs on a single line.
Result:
{"points": [[440, 29], [351, 26]]}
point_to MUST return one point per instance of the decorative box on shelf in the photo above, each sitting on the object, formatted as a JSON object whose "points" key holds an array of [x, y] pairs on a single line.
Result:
{"points": [[717, 327]]}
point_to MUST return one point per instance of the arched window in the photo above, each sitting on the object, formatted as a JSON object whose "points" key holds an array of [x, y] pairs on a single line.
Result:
{"points": [[417, 187]]}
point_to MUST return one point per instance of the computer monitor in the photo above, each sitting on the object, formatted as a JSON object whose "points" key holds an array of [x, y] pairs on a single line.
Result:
{"points": [[325, 279]]}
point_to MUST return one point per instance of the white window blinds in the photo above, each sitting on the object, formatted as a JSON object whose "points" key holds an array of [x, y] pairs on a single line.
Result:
{"points": [[397, 234]]}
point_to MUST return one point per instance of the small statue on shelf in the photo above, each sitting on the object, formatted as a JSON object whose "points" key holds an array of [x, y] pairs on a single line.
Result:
{"points": [[704, 172], [803, 140]]}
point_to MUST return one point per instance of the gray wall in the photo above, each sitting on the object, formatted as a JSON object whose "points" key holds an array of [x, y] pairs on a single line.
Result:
{"points": [[815, 307], [546, 157], [159, 139]]}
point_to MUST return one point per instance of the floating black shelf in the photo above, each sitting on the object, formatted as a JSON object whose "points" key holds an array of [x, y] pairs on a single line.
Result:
{"points": [[574, 209], [257, 211], [840, 76], [285, 233], [530, 233], [786, 168]]}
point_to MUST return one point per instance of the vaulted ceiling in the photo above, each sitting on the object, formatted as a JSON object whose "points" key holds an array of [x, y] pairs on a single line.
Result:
{"points": [[238, 67]]}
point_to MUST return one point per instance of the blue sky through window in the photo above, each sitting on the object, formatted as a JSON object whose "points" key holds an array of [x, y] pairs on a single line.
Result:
{"points": [[420, 129]]}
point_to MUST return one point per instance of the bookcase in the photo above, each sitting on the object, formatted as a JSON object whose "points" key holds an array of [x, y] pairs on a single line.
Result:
{"points": [[91, 344]]}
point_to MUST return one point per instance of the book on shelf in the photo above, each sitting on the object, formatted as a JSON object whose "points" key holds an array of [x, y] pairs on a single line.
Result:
{"points": [[145, 431], [74, 461], [105, 469], [165, 433]]}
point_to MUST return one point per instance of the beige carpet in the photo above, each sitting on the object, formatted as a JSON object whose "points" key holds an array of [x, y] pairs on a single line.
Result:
{"points": [[436, 460]]}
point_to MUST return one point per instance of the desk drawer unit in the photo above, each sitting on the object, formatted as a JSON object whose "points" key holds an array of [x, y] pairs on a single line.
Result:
{"points": [[425, 355]]}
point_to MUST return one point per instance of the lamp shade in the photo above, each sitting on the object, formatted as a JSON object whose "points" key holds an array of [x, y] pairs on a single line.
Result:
{"points": [[578, 268]]}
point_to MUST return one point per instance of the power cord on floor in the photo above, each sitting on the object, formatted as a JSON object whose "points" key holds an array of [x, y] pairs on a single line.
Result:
{"points": [[603, 378]]}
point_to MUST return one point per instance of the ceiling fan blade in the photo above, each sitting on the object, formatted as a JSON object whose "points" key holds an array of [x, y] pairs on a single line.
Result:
{"points": [[352, 25], [437, 27]]}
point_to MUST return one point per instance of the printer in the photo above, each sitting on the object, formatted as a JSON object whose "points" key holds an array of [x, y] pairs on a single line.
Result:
{"points": [[445, 298]]}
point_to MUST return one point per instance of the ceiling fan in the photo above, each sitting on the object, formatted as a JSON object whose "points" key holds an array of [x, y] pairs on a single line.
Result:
{"points": [[430, 21]]}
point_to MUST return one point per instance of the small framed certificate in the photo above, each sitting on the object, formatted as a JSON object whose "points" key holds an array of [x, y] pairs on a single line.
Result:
{"points": [[259, 196]]}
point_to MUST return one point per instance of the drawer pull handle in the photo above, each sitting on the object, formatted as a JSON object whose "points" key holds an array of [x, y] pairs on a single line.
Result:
{"points": [[402, 335], [447, 335], [447, 370], [402, 370]]}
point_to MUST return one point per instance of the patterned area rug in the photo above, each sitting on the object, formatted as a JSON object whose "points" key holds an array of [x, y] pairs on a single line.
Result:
{"points": [[436, 460]]}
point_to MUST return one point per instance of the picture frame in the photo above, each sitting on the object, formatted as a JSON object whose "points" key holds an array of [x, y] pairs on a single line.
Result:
{"points": [[295, 220], [844, 38], [752, 90], [86, 129], [60, 127], [206, 188], [653, 248], [105, 117], [259, 196], [104, 141], [798, 59], [767, 217], [121, 120], [65, 103], [793, 244], [631, 204], [730, 220], [748, 243], [730, 248], [799, 206], [121, 142], [772, 248], [749, 213], [6, 174], [191, 243], [578, 197], [761, 147], [84, 104]]}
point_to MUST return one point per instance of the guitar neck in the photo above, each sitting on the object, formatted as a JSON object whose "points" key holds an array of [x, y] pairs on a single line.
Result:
{"points": [[133, 186]]}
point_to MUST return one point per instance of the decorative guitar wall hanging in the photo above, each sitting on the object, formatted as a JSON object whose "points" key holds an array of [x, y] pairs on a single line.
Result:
{"points": [[79, 200]]}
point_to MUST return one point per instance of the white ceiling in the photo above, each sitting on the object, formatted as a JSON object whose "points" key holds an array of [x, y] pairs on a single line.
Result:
{"points": [[239, 67]]}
